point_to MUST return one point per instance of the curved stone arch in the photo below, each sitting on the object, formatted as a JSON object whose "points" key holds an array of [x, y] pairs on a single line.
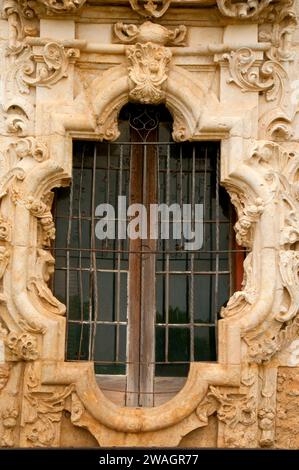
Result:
{"points": [[185, 98]]}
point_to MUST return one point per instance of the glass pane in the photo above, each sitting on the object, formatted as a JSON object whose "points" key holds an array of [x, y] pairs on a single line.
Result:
{"points": [[110, 349], [78, 341], [205, 344]]}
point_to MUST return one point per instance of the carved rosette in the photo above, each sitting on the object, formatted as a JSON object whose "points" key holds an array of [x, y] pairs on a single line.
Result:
{"points": [[148, 65]]}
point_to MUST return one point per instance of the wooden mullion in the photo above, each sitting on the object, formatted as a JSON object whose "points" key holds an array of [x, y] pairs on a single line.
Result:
{"points": [[148, 284], [134, 317]]}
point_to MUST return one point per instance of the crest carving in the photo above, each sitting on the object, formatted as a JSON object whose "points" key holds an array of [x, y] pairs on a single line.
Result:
{"points": [[148, 65]]}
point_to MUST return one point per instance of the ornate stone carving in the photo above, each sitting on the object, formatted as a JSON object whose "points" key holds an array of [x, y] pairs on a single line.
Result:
{"points": [[5, 229], [4, 259], [29, 147], [38, 283], [238, 301], [148, 65], [21, 23], [42, 412], [248, 215], [151, 8], [246, 9], [44, 70], [280, 32], [23, 347], [281, 175], [9, 421], [150, 32], [262, 183], [62, 6], [235, 409], [267, 78], [273, 341], [287, 431], [4, 375], [42, 211], [289, 268], [267, 406], [77, 408]]}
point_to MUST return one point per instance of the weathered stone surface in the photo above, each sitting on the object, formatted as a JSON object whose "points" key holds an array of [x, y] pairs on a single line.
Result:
{"points": [[227, 73]]}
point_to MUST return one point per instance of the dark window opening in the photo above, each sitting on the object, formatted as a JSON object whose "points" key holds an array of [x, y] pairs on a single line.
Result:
{"points": [[143, 309]]}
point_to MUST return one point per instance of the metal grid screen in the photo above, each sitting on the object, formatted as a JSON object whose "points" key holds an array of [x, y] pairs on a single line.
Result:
{"points": [[92, 276]]}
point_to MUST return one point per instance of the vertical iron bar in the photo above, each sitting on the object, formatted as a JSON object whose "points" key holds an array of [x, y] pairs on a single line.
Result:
{"points": [[167, 260], [108, 182], [181, 192], [93, 326], [191, 294], [120, 184], [80, 254], [69, 234], [217, 246]]}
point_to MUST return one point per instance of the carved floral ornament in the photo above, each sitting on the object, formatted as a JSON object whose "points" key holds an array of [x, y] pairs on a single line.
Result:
{"points": [[242, 10]]}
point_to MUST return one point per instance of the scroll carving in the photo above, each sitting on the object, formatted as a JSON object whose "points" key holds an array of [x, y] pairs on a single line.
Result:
{"points": [[54, 64], [289, 268], [38, 284], [240, 299], [5, 230], [21, 21], [29, 147], [280, 32], [267, 78]]}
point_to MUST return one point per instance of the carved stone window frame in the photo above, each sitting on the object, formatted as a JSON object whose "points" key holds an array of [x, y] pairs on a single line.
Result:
{"points": [[260, 176]]}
